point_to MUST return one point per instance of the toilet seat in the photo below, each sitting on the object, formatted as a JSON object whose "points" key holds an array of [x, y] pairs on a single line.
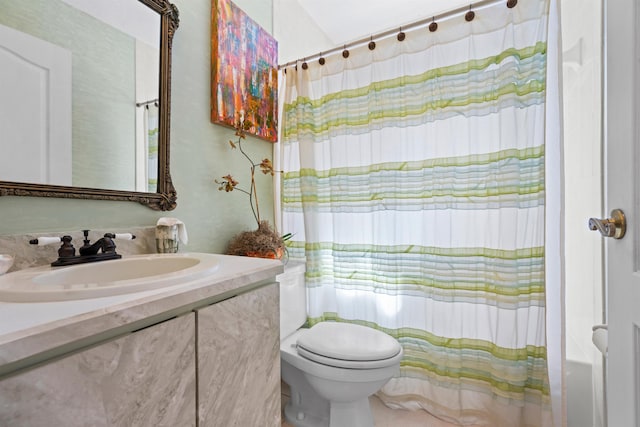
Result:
{"points": [[350, 346]]}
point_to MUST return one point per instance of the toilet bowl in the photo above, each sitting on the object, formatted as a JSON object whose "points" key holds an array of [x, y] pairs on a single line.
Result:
{"points": [[333, 389], [331, 368]]}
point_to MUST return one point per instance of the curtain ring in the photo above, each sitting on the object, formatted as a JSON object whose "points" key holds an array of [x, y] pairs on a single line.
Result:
{"points": [[345, 52], [321, 60], [512, 3], [304, 64], [372, 44], [469, 15], [433, 27], [401, 35]]}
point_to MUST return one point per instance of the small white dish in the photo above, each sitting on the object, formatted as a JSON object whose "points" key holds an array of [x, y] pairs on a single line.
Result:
{"points": [[6, 261]]}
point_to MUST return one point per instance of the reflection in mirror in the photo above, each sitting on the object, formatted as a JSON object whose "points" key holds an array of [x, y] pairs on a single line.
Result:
{"points": [[87, 111]]}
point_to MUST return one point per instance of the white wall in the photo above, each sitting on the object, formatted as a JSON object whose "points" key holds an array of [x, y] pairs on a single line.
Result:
{"points": [[583, 171], [582, 80], [297, 33]]}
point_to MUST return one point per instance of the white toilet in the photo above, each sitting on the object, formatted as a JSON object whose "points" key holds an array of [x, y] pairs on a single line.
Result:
{"points": [[331, 368]]}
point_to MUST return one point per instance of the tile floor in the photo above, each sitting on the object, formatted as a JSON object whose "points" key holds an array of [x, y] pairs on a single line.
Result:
{"points": [[386, 417]]}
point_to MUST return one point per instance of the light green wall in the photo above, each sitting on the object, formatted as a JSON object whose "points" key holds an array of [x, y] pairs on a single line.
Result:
{"points": [[199, 153]]}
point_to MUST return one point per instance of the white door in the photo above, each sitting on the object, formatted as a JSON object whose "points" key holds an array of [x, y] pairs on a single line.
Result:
{"points": [[35, 110], [622, 153]]}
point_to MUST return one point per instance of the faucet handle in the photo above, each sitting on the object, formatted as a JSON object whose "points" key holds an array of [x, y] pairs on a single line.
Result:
{"points": [[107, 243], [67, 249], [43, 241], [123, 236]]}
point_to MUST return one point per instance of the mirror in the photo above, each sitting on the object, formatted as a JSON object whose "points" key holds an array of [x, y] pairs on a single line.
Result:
{"points": [[88, 111]]}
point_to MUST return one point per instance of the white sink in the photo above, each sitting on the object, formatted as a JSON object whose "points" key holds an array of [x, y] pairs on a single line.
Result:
{"points": [[105, 278]]}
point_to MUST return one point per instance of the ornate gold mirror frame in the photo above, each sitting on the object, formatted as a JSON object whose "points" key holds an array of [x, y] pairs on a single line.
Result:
{"points": [[165, 196]]}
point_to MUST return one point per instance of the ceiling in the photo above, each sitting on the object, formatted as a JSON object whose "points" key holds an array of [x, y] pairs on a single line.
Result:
{"points": [[344, 21]]}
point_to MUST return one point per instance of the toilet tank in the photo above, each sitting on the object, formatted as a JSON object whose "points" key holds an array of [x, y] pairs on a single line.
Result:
{"points": [[293, 298]]}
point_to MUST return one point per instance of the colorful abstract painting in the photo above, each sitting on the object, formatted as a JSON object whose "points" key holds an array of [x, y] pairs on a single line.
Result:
{"points": [[244, 75]]}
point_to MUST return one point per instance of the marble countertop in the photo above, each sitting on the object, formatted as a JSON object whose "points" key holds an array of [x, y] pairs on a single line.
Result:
{"points": [[32, 332]]}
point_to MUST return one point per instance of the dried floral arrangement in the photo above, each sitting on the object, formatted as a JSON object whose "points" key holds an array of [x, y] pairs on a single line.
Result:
{"points": [[264, 242]]}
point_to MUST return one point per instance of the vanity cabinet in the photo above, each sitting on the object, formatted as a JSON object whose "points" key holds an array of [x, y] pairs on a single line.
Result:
{"points": [[239, 360], [145, 378]]}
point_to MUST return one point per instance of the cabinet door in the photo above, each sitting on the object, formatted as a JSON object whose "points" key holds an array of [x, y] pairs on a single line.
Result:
{"points": [[239, 361], [146, 378]]}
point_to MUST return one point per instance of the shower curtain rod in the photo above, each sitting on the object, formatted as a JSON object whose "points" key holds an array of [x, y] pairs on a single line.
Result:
{"points": [[398, 30], [152, 101]]}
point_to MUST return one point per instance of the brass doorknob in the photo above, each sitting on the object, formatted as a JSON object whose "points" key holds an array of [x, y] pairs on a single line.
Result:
{"points": [[614, 227]]}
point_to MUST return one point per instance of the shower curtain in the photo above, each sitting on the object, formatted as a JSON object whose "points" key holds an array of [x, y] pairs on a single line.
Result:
{"points": [[414, 184]]}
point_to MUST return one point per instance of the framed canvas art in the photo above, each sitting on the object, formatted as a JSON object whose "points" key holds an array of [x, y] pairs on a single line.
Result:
{"points": [[244, 72]]}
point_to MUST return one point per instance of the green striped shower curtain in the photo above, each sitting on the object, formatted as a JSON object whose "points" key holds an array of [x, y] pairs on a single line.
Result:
{"points": [[414, 184]]}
